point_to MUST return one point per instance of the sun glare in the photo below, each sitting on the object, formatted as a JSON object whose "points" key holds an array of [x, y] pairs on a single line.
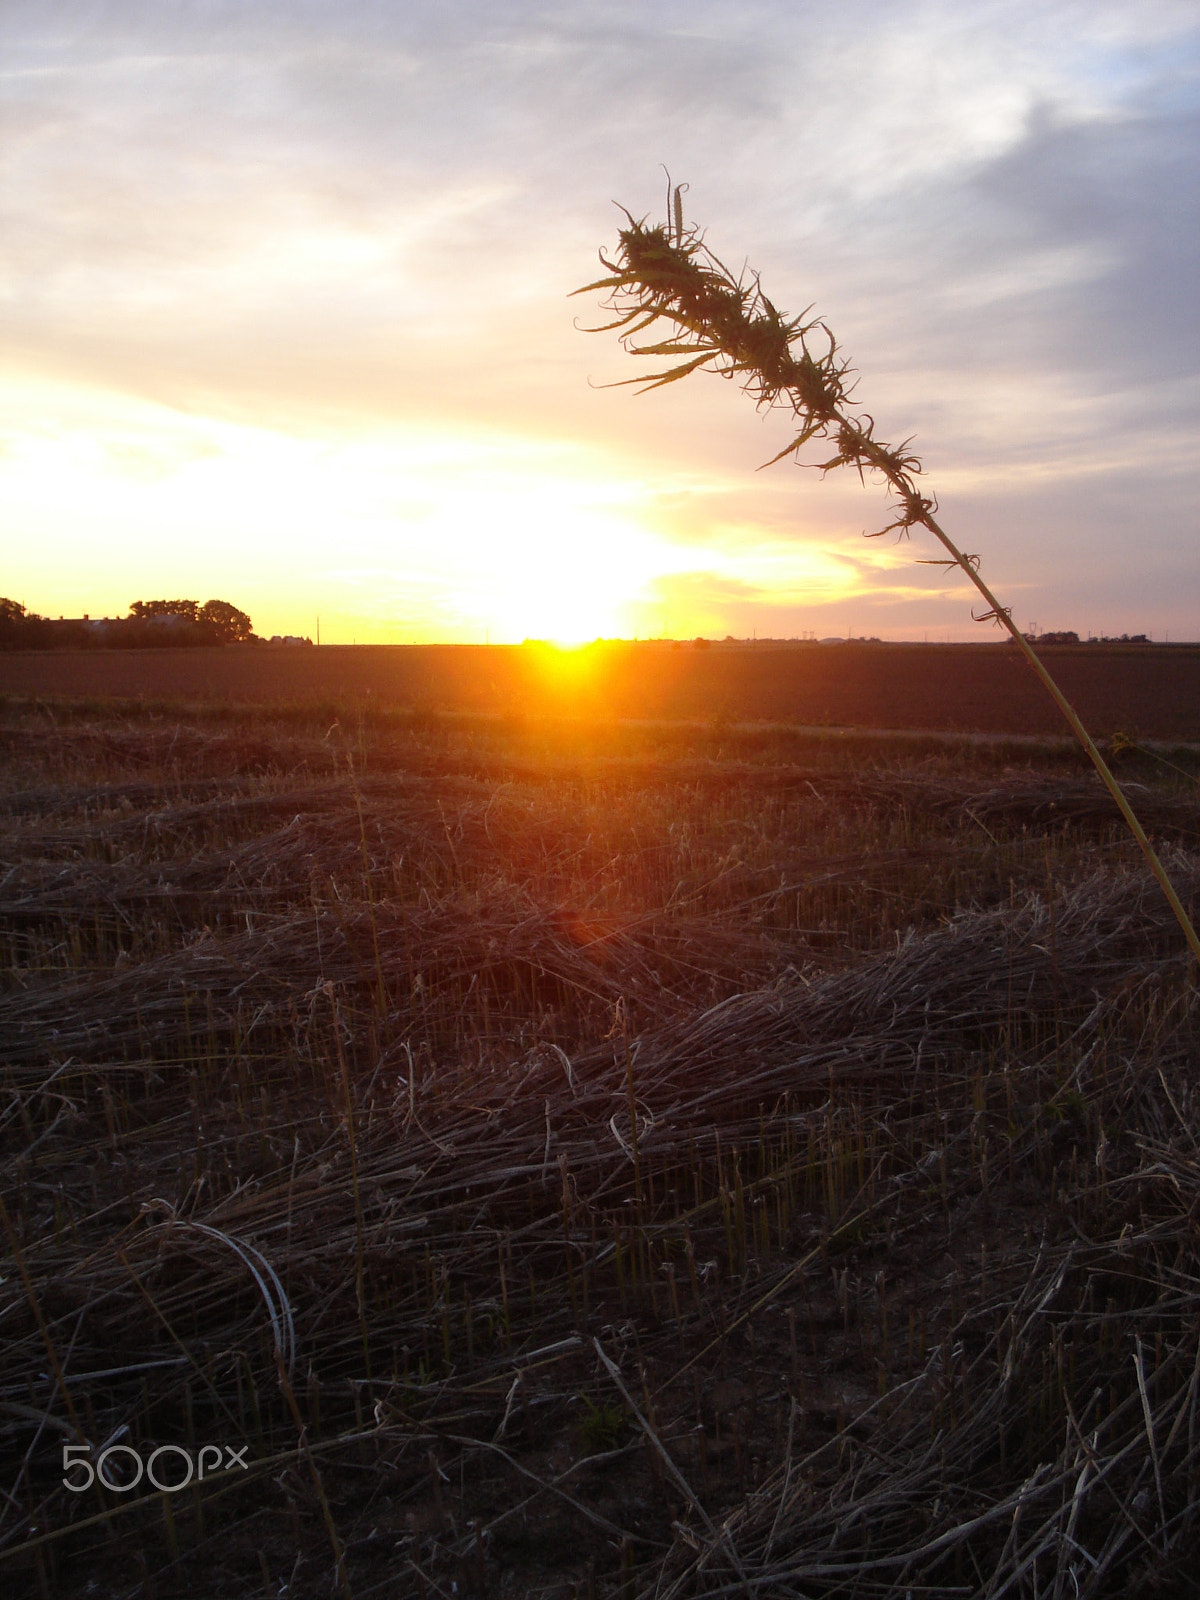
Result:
{"points": [[401, 536], [571, 578], [544, 557], [394, 537]]}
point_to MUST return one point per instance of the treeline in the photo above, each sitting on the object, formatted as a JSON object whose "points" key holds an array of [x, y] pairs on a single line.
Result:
{"points": [[150, 623], [1069, 636]]}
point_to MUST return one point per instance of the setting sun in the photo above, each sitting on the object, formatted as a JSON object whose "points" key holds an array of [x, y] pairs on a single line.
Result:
{"points": [[543, 563], [405, 534]]}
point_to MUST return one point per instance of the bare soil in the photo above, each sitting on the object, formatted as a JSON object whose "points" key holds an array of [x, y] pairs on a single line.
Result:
{"points": [[1142, 692]]}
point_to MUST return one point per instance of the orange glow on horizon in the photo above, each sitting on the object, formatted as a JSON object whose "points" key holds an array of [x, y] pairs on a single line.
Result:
{"points": [[395, 536]]}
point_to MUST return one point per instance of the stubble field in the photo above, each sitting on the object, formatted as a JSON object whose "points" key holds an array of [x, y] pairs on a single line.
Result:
{"points": [[578, 1159]]}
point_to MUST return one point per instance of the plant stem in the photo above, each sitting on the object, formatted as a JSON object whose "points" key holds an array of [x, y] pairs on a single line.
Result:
{"points": [[729, 326], [1004, 617]]}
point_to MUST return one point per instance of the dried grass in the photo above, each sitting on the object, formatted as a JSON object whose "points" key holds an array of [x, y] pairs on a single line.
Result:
{"points": [[894, 1256]]}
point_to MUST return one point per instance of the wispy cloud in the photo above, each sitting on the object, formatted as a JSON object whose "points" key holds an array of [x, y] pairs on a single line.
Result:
{"points": [[364, 221]]}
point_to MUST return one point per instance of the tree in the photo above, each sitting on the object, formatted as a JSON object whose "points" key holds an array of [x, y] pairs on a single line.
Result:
{"points": [[12, 622], [21, 629], [224, 623], [144, 609]]}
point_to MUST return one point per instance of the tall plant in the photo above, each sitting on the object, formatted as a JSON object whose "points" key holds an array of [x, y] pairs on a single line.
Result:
{"points": [[666, 275]]}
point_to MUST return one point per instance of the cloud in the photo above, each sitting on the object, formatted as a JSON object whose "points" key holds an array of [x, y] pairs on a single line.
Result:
{"points": [[1123, 197], [330, 220]]}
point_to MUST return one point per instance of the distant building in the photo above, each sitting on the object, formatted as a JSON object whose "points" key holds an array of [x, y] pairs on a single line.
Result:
{"points": [[94, 627]]}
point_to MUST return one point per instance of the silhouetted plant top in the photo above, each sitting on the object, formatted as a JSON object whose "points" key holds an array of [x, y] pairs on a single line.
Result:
{"points": [[666, 273]]}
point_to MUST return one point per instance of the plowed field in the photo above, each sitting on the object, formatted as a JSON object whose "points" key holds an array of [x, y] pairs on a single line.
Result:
{"points": [[1148, 692]]}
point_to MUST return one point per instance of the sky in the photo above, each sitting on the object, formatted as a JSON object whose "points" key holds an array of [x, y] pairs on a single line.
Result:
{"points": [[286, 314]]}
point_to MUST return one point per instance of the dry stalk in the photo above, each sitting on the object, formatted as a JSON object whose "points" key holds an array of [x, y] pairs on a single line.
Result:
{"points": [[727, 325], [203, 1071], [719, 1537]]}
